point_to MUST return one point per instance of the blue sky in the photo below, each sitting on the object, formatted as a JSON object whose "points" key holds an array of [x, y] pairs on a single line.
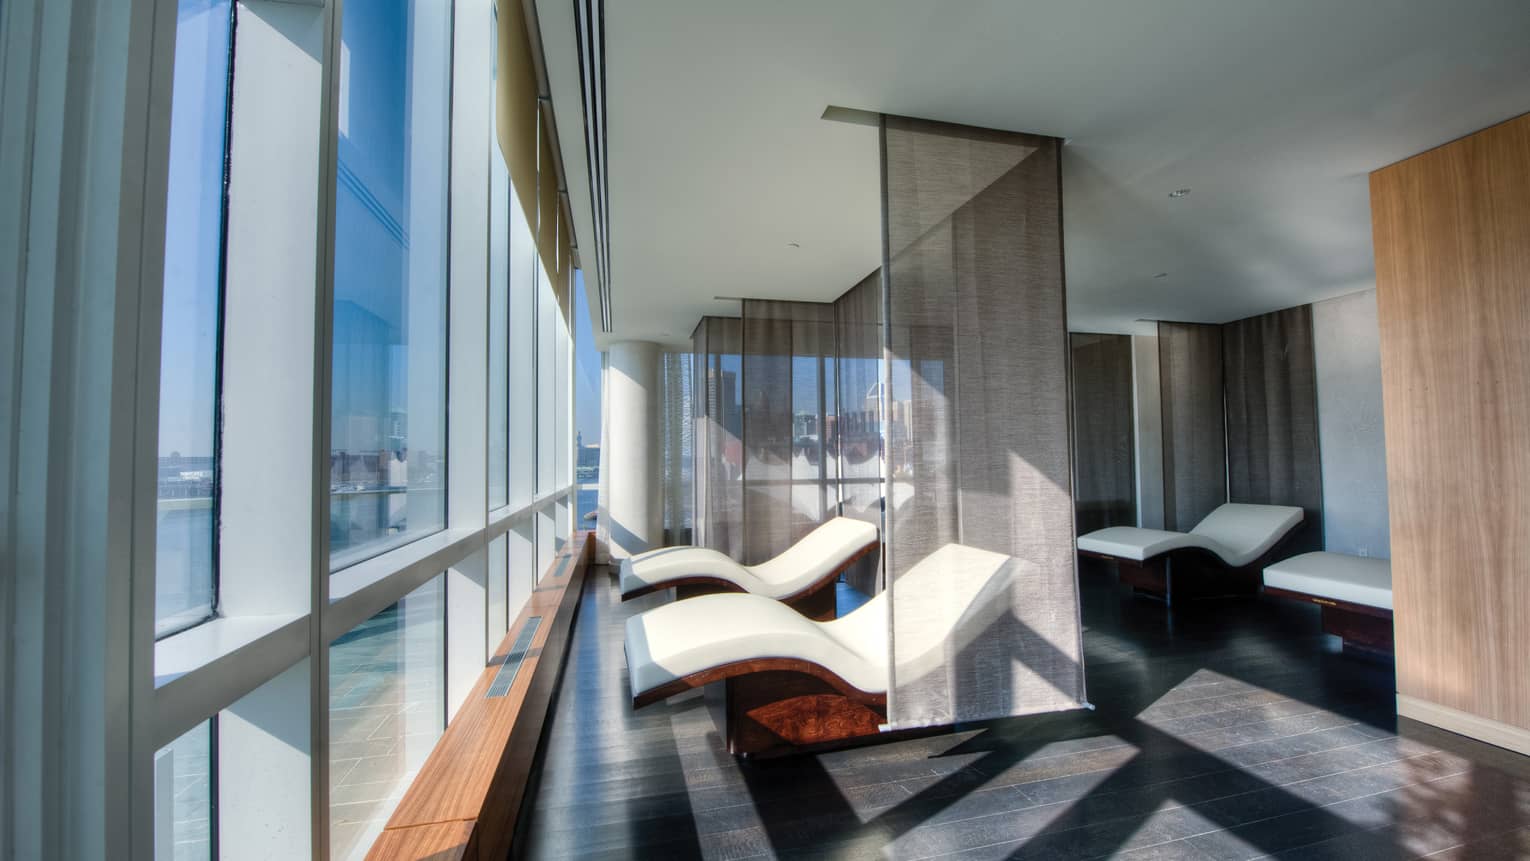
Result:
{"points": [[193, 229]]}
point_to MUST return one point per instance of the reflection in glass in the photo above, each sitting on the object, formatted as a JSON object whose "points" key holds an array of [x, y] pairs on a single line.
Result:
{"points": [[387, 707], [188, 387], [388, 429], [183, 796]]}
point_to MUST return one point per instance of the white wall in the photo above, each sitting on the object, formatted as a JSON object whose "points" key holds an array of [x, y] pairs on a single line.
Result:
{"points": [[1346, 341]]}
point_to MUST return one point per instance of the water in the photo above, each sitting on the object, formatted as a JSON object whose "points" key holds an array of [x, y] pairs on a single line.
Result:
{"points": [[586, 504]]}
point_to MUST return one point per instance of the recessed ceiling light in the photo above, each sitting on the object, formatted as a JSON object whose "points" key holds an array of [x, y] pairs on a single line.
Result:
{"points": [[1179, 192]]}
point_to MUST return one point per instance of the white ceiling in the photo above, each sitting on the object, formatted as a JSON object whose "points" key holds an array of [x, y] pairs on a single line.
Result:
{"points": [[1272, 111]]}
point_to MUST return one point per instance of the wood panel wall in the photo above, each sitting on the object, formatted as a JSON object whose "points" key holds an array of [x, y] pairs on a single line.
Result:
{"points": [[1452, 240]]}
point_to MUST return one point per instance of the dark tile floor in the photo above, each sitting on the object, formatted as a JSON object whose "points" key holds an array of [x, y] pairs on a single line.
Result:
{"points": [[1231, 730]]}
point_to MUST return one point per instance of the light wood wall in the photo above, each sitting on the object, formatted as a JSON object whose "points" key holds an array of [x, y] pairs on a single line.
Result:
{"points": [[1452, 240]]}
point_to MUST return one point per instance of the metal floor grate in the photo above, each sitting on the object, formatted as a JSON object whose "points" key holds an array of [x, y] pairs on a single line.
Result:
{"points": [[517, 656]]}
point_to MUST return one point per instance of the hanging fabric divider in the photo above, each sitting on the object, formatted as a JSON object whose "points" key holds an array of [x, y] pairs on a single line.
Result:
{"points": [[1104, 480], [1194, 432], [783, 439], [787, 381], [1239, 407], [1273, 455], [856, 437], [676, 378], [977, 429], [717, 347]]}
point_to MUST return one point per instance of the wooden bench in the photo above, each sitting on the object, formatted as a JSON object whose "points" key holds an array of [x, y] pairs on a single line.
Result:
{"points": [[1355, 593], [466, 800]]}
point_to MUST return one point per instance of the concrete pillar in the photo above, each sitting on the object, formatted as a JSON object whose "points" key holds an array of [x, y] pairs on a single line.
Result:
{"points": [[635, 511]]}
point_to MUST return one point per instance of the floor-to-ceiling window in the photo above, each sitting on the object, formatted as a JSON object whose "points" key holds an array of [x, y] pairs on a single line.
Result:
{"points": [[499, 304], [186, 579], [311, 636], [186, 561], [523, 355], [388, 422], [386, 710]]}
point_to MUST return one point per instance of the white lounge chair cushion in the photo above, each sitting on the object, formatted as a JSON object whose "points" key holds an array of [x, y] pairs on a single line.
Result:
{"points": [[1338, 576], [816, 556], [686, 637], [1238, 533]]}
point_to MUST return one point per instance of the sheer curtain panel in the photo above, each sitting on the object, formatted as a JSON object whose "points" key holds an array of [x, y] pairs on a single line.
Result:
{"points": [[788, 364], [675, 380], [1272, 430], [1194, 433], [1104, 481], [718, 447], [977, 430], [857, 434]]}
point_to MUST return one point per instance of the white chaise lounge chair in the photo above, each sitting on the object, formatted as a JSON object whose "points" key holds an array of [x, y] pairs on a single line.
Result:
{"points": [[802, 576], [1237, 538], [793, 683], [1355, 593]]}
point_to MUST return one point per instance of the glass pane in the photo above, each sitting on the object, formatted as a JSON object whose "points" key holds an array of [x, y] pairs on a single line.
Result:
{"points": [[188, 387], [523, 357], [563, 432], [499, 311], [387, 707], [388, 432], [547, 377], [586, 408], [183, 796]]}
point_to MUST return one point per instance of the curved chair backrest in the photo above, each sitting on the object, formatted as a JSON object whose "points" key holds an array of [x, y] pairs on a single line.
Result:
{"points": [[822, 550], [1248, 529], [961, 591]]}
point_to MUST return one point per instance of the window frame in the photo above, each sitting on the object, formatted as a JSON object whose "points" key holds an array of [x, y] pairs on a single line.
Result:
{"points": [[193, 616], [268, 642]]}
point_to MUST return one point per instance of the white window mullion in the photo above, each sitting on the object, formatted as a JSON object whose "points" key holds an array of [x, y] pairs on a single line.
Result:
{"points": [[468, 464]]}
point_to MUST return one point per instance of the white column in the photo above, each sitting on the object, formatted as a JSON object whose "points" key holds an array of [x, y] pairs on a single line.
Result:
{"points": [[634, 512]]}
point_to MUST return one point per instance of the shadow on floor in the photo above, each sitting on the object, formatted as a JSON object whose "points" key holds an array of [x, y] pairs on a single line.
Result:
{"points": [[1227, 731]]}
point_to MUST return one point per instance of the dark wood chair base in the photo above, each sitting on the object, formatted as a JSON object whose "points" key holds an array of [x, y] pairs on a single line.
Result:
{"points": [[1364, 629], [781, 713], [1185, 575], [1189, 574], [771, 707]]}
